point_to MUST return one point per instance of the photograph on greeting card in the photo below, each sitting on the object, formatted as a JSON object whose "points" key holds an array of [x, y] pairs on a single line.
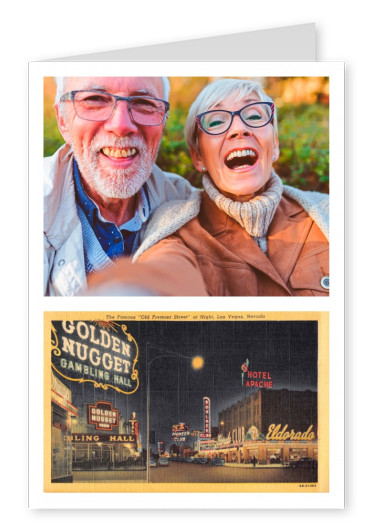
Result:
{"points": [[186, 186]]}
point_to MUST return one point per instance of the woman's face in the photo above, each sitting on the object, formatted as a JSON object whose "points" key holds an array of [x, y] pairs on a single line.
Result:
{"points": [[239, 174]]}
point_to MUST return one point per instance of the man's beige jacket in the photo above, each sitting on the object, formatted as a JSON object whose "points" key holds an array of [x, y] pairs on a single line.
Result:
{"points": [[64, 263]]}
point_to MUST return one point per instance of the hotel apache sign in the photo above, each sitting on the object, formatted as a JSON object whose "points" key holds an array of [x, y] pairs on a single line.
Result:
{"points": [[254, 378], [101, 352]]}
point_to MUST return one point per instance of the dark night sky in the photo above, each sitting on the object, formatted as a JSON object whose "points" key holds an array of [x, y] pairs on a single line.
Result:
{"points": [[287, 350]]}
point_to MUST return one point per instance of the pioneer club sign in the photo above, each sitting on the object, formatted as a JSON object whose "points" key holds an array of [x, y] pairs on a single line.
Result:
{"points": [[180, 432]]}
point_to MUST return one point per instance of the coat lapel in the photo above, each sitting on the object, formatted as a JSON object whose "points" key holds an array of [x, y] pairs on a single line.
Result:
{"points": [[287, 234], [237, 241]]}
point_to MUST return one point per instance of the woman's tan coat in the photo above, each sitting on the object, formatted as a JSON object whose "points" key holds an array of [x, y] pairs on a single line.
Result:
{"points": [[213, 255]]}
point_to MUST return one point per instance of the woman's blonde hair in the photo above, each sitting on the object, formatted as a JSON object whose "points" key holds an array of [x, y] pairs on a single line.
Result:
{"points": [[216, 92]]}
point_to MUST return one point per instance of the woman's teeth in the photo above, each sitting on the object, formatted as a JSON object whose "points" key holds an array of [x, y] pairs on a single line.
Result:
{"points": [[241, 158], [119, 153], [241, 153]]}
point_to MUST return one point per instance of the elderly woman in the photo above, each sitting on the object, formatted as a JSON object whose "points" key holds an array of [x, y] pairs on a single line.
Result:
{"points": [[246, 233]]}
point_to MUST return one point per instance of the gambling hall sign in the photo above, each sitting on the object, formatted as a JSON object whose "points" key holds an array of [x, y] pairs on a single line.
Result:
{"points": [[101, 352]]}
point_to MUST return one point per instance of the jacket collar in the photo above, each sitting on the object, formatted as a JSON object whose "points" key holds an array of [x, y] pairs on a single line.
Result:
{"points": [[60, 212], [167, 219], [287, 234]]}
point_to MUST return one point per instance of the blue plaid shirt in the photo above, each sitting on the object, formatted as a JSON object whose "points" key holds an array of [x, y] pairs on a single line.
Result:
{"points": [[115, 241]]}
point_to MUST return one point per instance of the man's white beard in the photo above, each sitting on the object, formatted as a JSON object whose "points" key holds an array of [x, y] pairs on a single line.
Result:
{"points": [[115, 183]]}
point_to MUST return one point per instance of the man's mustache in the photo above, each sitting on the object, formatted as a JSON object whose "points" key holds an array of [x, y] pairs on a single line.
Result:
{"points": [[103, 141]]}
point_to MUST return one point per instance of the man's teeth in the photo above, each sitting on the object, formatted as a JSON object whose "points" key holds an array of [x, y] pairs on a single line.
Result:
{"points": [[119, 153], [241, 153]]}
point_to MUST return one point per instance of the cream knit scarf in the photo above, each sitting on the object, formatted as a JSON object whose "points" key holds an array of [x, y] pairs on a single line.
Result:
{"points": [[255, 215]]}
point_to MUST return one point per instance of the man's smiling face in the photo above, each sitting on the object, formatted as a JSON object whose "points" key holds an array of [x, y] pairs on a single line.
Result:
{"points": [[115, 156]]}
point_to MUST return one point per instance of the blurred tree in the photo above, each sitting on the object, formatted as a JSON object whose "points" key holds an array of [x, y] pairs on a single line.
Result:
{"points": [[304, 142], [52, 137]]}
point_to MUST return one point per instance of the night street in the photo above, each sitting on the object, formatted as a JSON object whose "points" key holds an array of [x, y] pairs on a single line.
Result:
{"points": [[194, 473], [232, 393]]}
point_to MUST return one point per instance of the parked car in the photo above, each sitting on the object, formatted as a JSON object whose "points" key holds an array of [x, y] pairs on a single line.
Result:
{"points": [[217, 461], [202, 461], [163, 461], [303, 462], [152, 462], [189, 459]]}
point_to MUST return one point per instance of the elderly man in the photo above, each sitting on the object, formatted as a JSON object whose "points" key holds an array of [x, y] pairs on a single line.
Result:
{"points": [[102, 186]]}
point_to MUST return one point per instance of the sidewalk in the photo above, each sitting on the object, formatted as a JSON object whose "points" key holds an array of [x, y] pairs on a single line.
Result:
{"points": [[250, 465]]}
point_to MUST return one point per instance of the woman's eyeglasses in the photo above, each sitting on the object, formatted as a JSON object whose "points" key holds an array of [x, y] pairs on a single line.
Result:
{"points": [[219, 121]]}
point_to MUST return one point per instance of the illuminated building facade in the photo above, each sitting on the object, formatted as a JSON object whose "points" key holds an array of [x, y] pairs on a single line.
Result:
{"points": [[93, 436], [112, 443], [265, 407], [272, 426], [62, 413]]}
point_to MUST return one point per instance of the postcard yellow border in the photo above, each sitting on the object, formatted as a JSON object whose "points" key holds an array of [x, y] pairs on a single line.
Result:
{"points": [[322, 486]]}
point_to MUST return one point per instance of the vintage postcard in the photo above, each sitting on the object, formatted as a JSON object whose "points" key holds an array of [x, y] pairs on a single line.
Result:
{"points": [[186, 402]]}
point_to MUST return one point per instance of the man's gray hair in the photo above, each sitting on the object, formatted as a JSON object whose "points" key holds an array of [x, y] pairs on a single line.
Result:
{"points": [[213, 94], [60, 84]]}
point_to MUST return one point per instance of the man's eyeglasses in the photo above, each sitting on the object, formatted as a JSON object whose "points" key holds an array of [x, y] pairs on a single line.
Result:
{"points": [[253, 115], [98, 106]]}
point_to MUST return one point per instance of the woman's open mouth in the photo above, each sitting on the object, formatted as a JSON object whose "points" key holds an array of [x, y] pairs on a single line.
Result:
{"points": [[241, 158]]}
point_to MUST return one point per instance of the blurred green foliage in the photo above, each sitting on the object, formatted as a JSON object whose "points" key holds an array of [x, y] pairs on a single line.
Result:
{"points": [[52, 137], [304, 146], [173, 154], [303, 141]]}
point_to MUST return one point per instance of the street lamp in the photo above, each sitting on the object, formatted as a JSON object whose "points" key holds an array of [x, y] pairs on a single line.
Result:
{"points": [[197, 362]]}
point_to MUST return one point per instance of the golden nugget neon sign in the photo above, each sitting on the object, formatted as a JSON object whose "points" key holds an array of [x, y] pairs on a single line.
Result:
{"points": [[101, 352]]}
